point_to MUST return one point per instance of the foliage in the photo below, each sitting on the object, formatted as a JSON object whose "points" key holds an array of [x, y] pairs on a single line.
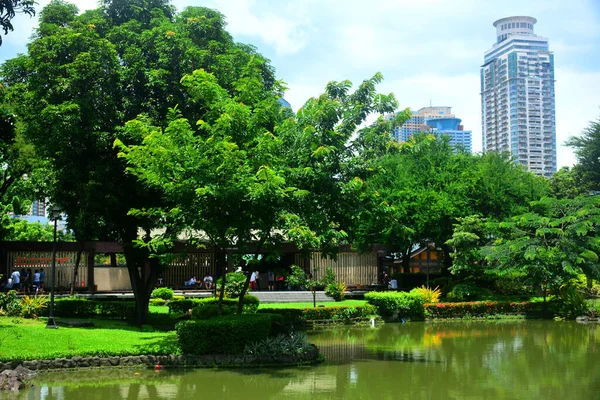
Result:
{"points": [[587, 152], [568, 183], [512, 285], [297, 277], [8, 10], [234, 284], [86, 75], [22, 230], [77, 307], [549, 246], [572, 303], [211, 310], [31, 306], [284, 344], [225, 335], [251, 304], [336, 290], [298, 317], [158, 302], [10, 303], [162, 293], [400, 304], [430, 295], [467, 291], [481, 309]]}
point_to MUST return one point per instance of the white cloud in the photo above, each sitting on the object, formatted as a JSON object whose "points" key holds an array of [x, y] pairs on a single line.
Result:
{"points": [[577, 103], [286, 34]]}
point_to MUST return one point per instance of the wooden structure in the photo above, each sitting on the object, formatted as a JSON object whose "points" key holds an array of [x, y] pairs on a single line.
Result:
{"points": [[350, 267]]}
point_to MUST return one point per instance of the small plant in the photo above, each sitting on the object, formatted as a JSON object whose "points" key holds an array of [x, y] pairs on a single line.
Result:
{"points": [[234, 284], [162, 293], [10, 303], [430, 295], [336, 290], [32, 306], [284, 344]]}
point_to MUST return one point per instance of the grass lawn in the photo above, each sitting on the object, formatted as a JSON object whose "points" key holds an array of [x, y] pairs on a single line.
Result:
{"points": [[25, 339], [346, 303]]}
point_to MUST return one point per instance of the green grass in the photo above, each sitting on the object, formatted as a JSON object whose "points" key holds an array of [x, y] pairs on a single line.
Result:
{"points": [[158, 309], [24, 339], [346, 303]]}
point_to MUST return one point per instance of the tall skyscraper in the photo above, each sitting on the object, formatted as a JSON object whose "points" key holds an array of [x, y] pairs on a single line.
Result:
{"points": [[438, 120], [517, 96]]}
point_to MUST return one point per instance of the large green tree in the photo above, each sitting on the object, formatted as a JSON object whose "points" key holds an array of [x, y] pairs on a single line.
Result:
{"points": [[85, 76], [587, 151], [550, 245]]}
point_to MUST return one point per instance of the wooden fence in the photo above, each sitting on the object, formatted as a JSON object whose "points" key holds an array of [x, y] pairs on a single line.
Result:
{"points": [[65, 266], [350, 267]]}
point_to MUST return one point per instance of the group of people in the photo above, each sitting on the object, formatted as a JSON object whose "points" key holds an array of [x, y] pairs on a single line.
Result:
{"points": [[273, 282], [25, 281], [206, 282]]}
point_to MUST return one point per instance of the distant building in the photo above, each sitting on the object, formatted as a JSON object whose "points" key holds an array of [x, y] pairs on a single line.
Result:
{"points": [[437, 120], [285, 103], [459, 138], [517, 96]]}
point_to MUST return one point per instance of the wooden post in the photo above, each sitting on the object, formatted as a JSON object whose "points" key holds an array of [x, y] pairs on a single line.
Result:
{"points": [[90, 270]]}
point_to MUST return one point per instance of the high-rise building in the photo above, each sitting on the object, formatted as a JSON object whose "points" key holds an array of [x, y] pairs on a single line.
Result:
{"points": [[451, 127], [517, 96], [439, 120]]}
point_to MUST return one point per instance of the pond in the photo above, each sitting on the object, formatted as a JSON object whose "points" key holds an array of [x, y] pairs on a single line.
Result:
{"points": [[448, 360]]}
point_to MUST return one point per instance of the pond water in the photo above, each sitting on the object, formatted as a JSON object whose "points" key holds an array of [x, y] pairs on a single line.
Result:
{"points": [[449, 360]]}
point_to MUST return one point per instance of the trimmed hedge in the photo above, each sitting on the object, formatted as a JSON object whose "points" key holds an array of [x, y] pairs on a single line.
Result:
{"points": [[251, 303], [405, 305], [298, 317], [77, 307], [226, 335], [162, 293], [482, 309]]}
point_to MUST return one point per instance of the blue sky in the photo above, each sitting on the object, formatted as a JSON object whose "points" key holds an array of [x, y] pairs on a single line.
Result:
{"points": [[427, 50]]}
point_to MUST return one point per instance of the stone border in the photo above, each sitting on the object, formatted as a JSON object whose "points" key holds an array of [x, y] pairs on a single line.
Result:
{"points": [[177, 361]]}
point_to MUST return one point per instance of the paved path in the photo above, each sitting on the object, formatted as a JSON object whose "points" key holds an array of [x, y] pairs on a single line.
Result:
{"points": [[289, 296]]}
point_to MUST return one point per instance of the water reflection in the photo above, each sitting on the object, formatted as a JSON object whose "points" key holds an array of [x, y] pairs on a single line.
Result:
{"points": [[538, 359]]}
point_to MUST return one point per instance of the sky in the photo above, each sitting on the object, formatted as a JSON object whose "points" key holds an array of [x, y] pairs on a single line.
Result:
{"points": [[429, 51]]}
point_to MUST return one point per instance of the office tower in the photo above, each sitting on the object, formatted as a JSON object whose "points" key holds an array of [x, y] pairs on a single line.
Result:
{"points": [[438, 120], [517, 96], [451, 127]]}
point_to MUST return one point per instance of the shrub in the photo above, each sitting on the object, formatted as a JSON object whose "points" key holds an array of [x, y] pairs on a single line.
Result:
{"points": [[10, 304], [251, 304], [162, 293], [336, 290], [296, 318], [227, 335], [116, 309], [512, 286], [284, 344], [74, 307], [209, 311], [429, 295], [158, 302], [467, 291], [481, 309], [32, 306], [233, 285], [406, 305], [572, 303], [178, 298]]}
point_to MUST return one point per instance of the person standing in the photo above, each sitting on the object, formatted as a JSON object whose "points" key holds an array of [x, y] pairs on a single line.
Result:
{"points": [[271, 279], [253, 280], [24, 280], [16, 280], [36, 280]]}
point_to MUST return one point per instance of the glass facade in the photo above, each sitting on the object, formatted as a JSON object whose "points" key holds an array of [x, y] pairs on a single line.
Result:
{"points": [[517, 97]]}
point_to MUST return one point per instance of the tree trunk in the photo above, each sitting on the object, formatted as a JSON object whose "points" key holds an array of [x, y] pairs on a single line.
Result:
{"points": [[76, 269], [244, 290], [406, 263], [143, 273], [221, 266], [447, 261]]}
